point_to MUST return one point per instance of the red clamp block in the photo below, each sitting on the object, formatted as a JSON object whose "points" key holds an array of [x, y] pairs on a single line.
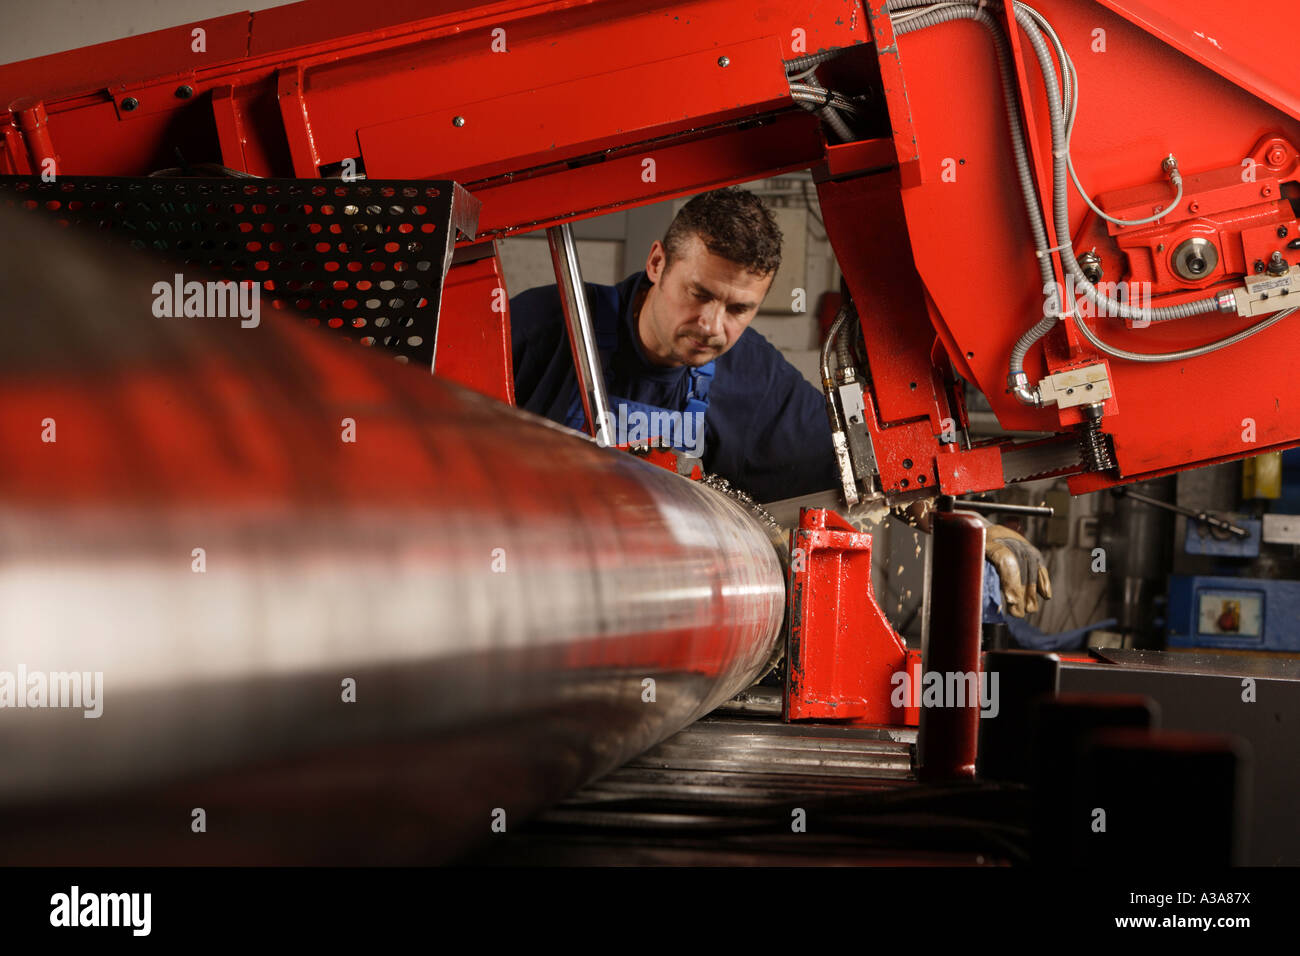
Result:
{"points": [[843, 653], [668, 459]]}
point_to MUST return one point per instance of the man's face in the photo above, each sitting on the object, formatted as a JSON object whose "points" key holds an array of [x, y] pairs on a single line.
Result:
{"points": [[697, 307]]}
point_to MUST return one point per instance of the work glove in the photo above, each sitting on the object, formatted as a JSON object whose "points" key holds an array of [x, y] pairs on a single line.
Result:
{"points": [[1021, 569]]}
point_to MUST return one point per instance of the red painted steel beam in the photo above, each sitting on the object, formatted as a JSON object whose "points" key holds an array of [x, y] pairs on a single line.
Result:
{"points": [[949, 729]]}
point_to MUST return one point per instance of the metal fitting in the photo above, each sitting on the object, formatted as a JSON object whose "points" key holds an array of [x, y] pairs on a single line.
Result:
{"points": [[1018, 385], [1090, 263], [1195, 258]]}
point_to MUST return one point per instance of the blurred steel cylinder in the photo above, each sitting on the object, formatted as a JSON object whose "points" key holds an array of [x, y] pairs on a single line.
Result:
{"points": [[353, 612]]}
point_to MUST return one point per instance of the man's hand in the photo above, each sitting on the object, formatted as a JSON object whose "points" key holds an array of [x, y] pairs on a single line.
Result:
{"points": [[1020, 569]]}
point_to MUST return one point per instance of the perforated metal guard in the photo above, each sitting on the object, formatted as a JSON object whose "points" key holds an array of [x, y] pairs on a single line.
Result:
{"points": [[365, 259]]}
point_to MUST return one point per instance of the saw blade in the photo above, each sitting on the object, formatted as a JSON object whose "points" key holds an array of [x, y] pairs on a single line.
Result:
{"points": [[1041, 459]]}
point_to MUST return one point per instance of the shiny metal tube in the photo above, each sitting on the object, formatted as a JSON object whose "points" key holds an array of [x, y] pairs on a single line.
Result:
{"points": [[343, 647], [582, 335]]}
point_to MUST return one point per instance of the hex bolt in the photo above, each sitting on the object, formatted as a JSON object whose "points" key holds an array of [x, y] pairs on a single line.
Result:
{"points": [[1090, 263], [1276, 156], [129, 104]]}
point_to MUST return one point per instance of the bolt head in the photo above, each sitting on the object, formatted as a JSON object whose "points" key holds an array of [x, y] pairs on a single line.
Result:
{"points": [[458, 121], [724, 62], [1276, 156], [1266, 191], [1194, 207]]}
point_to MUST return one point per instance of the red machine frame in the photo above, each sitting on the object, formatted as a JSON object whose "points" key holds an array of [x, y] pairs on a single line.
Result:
{"points": [[542, 110], [559, 110]]}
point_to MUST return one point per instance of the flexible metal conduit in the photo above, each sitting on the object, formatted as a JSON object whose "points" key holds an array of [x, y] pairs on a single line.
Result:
{"points": [[1030, 22]]}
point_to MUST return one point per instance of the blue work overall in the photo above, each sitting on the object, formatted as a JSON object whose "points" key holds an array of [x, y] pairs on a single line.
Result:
{"points": [[606, 322]]}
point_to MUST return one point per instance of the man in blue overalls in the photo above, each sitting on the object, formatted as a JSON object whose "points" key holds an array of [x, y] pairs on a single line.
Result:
{"points": [[676, 348], [674, 339]]}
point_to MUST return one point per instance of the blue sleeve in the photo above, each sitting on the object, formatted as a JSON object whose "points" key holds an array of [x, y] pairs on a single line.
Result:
{"points": [[536, 335], [780, 441]]}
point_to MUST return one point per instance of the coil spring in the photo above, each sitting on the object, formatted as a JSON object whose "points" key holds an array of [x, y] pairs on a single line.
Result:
{"points": [[1095, 446]]}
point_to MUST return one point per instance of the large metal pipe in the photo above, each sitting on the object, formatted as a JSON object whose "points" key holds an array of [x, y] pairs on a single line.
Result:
{"points": [[243, 529]]}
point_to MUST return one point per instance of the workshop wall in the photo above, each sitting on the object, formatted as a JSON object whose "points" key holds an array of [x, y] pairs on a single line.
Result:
{"points": [[52, 26]]}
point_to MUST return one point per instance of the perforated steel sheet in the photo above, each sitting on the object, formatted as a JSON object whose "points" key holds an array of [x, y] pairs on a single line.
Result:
{"points": [[364, 259]]}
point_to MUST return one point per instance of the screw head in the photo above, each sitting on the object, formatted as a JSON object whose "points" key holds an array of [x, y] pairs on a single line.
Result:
{"points": [[184, 92], [1281, 232], [129, 104], [1259, 265], [458, 121], [1194, 207], [1266, 191], [724, 62]]}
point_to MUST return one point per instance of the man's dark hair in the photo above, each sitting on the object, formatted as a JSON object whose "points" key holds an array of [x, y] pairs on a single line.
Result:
{"points": [[731, 223]]}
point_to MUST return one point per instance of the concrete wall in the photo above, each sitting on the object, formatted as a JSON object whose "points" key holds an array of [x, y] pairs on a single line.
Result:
{"points": [[34, 28]]}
